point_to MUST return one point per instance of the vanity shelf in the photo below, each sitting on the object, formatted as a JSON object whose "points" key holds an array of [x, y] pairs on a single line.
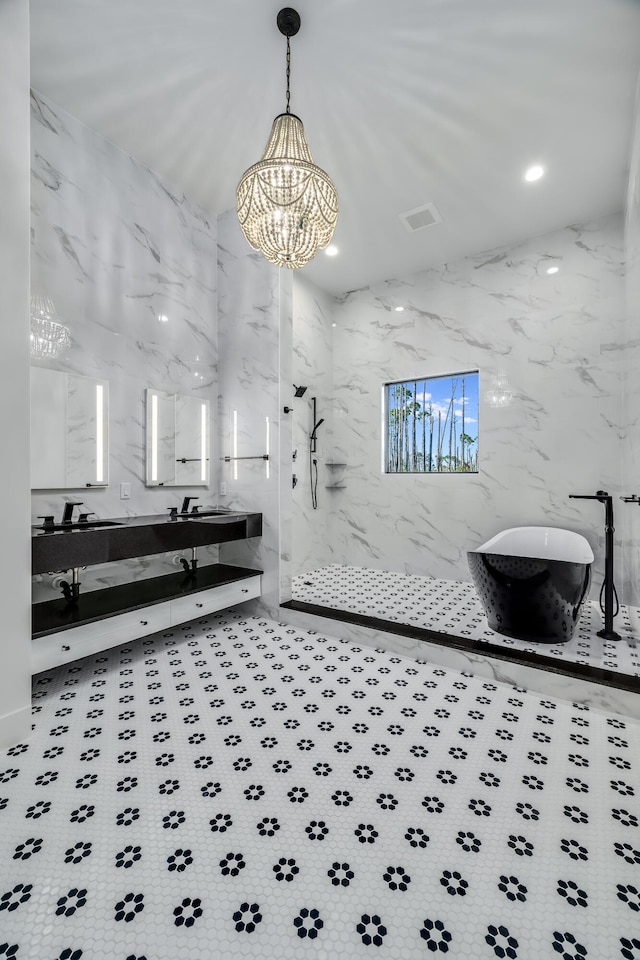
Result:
{"points": [[102, 619]]}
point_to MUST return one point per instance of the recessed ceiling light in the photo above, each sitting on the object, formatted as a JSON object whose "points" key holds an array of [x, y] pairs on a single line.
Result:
{"points": [[163, 318], [399, 309], [549, 265], [331, 250], [534, 173]]}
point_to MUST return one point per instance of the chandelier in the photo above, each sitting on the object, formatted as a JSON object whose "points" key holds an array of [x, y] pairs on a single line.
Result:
{"points": [[499, 393], [287, 206], [48, 338]]}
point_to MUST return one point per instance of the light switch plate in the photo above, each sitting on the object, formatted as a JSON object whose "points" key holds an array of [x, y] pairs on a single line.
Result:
{"points": [[223, 488], [125, 491]]}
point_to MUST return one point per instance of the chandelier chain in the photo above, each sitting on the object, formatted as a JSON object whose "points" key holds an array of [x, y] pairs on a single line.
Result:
{"points": [[288, 74]]}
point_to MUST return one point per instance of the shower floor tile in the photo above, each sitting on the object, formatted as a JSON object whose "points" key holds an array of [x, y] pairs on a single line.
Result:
{"points": [[453, 607], [238, 787]]}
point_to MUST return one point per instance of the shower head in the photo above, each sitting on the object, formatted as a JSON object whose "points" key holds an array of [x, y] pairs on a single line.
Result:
{"points": [[299, 391]]}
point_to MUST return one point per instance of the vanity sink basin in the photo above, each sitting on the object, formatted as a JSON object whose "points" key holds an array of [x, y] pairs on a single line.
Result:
{"points": [[89, 525], [206, 514]]}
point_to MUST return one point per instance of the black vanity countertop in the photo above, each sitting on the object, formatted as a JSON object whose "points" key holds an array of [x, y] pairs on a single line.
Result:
{"points": [[136, 537]]}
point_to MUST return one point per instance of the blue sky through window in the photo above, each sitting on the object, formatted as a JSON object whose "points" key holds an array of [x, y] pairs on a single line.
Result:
{"points": [[432, 424]]}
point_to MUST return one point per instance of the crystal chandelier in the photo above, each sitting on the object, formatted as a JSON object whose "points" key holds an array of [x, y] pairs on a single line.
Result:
{"points": [[287, 206], [499, 393], [49, 338]]}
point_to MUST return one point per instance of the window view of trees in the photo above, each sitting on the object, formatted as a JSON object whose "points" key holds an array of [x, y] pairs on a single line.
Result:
{"points": [[432, 425]]}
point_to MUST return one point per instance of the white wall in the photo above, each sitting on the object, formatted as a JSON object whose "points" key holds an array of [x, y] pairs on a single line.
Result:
{"points": [[313, 368], [630, 524], [560, 341], [15, 558], [254, 316], [115, 246]]}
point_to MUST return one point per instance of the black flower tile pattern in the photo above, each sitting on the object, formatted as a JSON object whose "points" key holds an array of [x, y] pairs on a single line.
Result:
{"points": [[277, 792], [453, 607]]}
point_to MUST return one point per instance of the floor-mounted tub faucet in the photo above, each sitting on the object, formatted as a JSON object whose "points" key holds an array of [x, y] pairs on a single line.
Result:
{"points": [[608, 586]]}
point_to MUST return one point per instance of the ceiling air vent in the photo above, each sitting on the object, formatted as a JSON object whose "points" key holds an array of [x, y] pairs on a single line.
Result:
{"points": [[421, 217]]}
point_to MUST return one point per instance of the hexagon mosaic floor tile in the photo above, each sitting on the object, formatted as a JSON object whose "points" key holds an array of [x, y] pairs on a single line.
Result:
{"points": [[241, 788], [453, 607]]}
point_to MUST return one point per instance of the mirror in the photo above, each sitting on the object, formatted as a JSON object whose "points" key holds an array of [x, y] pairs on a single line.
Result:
{"points": [[177, 440], [69, 431]]}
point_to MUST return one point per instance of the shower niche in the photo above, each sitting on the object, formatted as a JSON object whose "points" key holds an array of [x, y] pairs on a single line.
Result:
{"points": [[337, 475]]}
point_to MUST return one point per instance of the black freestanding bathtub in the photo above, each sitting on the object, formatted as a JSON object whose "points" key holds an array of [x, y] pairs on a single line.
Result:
{"points": [[532, 581]]}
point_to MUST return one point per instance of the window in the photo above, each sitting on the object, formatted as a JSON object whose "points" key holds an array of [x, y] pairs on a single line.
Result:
{"points": [[432, 424]]}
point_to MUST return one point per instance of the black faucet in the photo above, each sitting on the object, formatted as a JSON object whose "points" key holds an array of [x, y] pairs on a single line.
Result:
{"points": [[186, 502], [608, 586], [67, 516]]}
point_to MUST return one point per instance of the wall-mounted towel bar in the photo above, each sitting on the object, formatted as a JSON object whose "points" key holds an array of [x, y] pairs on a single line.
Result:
{"points": [[264, 456]]}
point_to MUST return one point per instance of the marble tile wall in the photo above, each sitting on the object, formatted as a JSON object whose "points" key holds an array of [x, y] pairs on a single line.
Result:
{"points": [[631, 471], [254, 314], [313, 368], [15, 560], [115, 248], [559, 339]]}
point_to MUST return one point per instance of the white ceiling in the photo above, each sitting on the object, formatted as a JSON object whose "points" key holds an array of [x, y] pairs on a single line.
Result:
{"points": [[403, 102]]}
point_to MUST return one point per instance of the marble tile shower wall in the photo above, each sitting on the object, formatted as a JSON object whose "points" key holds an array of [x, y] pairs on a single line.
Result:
{"points": [[558, 338], [631, 470], [254, 316], [313, 368], [114, 247]]}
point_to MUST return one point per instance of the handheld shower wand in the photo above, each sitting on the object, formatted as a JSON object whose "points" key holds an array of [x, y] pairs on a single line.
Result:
{"points": [[313, 437]]}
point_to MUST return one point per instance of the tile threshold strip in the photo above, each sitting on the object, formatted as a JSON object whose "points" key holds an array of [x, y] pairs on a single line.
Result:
{"points": [[548, 664]]}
